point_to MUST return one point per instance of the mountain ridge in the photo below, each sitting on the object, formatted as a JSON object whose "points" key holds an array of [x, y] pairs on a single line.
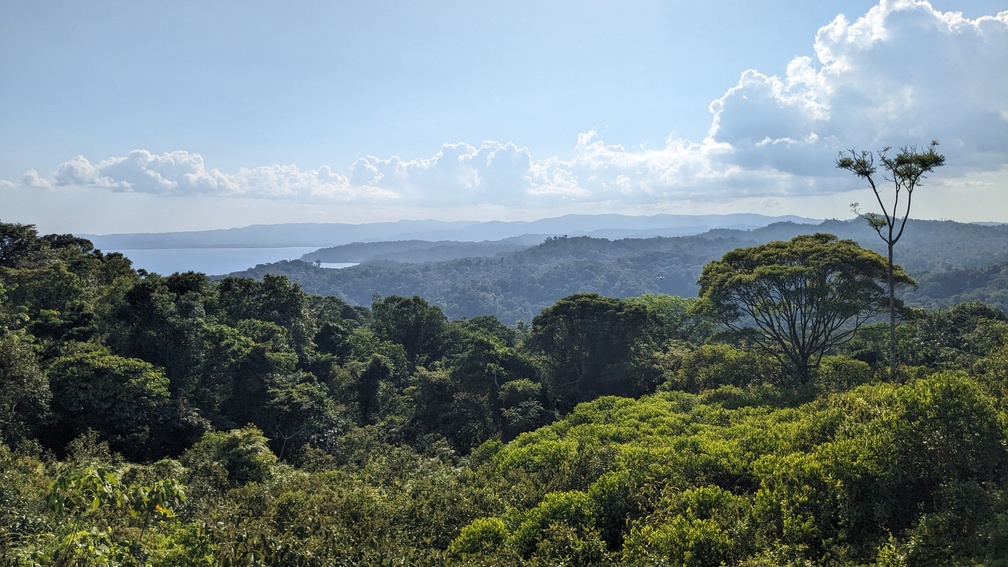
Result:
{"points": [[334, 234], [518, 285]]}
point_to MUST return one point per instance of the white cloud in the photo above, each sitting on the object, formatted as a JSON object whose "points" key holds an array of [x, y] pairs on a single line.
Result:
{"points": [[906, 71], [184, 173], [458, 174], [31, 178], [903, 73]]}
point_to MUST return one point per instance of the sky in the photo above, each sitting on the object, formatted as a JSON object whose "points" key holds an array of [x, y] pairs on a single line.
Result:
{"points": [[189, 115]]}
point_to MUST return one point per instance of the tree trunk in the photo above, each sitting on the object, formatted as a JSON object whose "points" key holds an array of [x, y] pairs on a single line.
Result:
{"points": [[892, 316]]}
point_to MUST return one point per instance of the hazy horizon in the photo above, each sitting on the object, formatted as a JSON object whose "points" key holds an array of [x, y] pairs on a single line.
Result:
{"points": [[158, 118]]}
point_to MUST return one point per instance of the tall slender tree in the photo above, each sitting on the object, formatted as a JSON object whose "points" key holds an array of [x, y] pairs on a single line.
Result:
{"points": [[906, 171]]}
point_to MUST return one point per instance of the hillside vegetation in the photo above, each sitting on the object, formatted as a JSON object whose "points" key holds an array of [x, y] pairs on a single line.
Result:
{"points": [[954, 263], [151, 419], [416, 251]]}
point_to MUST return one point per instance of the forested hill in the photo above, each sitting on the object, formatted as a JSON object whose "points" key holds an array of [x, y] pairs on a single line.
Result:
{"points": [[517, 286], [418, 251], [926, 245], [952, 261]]}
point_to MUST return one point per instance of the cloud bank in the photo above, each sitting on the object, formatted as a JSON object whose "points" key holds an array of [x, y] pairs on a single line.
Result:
{"points": [[902, 74]]}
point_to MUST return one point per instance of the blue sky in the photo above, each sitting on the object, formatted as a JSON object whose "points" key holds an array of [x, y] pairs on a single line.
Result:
{"points": [[133, 116]]}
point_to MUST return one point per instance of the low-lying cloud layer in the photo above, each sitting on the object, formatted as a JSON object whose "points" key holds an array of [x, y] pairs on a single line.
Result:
{"points": [[902, 74]]}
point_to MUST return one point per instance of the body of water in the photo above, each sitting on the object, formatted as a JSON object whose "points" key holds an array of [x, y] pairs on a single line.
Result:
{"points": [[212, 261]]}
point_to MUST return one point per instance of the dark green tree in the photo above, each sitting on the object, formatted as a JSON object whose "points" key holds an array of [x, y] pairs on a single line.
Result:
{"points": [[369, 384], [333, 338], [149, 326], [20, 246], [464, 418], [269, 359], [300, 411], [123, 399], [905, 171], [276, 300], [954, 338], [804, 296], [421, 328], [521, 407], [593, 346], [225, 363], [24, 389]]}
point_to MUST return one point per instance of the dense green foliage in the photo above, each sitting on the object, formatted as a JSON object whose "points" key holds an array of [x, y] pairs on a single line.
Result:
{"points": [[175, 420]]}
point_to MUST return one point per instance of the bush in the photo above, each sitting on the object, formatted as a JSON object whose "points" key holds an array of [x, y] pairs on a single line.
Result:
{"points": [[572, 509], [232, 458], [481, 537], [842, 373], [711, 366]]}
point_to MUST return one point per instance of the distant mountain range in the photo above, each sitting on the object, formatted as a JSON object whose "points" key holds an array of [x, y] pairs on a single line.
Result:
{"points": [[514, 280], [926, 245], [515, 269], [609, 226]]}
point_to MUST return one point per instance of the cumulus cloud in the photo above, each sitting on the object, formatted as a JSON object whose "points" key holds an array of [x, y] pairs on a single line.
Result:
{"points": [[184, 173], [458, 174], [904, 73]]}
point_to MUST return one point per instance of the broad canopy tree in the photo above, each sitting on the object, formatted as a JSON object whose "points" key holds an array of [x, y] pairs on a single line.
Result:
{"points": [[804, 296]]}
